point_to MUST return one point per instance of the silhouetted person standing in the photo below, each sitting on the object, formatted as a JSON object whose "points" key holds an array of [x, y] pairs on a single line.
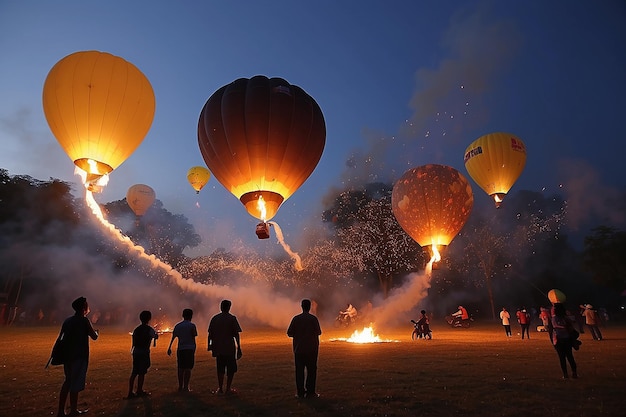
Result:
{"points": [[561, 337], [76, 331], [305, 331], [186, 333], [224, 342], [143, 335]]}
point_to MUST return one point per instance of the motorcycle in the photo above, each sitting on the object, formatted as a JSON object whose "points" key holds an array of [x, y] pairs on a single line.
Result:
{"points": [[421, 331], [455, 321], [344, 320]]}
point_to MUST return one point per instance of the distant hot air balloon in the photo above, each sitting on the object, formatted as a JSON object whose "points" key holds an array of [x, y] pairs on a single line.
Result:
{"points": [[99, 107], [432, 203], [139, 198], [261, 138], [556, 296], [198, 177], [495, 161]]}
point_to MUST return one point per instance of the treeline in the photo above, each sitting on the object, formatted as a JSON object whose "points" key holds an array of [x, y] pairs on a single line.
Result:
{"points": [[507, 257]]}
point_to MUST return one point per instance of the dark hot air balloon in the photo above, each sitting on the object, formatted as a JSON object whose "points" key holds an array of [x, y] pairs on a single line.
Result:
{"points": [[261, 138]]}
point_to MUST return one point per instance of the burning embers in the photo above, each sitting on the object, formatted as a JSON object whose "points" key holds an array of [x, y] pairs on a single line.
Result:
{"points": [[366, 335]]}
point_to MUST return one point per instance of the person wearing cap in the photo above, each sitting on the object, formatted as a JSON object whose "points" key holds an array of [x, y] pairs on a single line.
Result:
{"points": [[591, 320], [523, 318], [76, 331]]}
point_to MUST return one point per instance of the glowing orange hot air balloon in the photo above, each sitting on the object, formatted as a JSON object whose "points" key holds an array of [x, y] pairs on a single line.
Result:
{"points": [[432, 203], [198, 177], [99, 107], [495, 161], [139, 198], [261, 138]]}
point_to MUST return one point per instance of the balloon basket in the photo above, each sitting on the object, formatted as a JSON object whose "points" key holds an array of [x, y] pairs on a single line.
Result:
{"points": [[263, 230]]}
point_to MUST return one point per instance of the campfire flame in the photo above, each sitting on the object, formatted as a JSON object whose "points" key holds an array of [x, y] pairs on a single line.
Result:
{"points": [[366, 335]]}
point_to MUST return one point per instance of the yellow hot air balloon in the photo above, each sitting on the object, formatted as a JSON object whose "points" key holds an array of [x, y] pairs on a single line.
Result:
{"points": [[261, 138], [99, 107], [495, 161], [139, 198], [432, 203], [198, 177]]}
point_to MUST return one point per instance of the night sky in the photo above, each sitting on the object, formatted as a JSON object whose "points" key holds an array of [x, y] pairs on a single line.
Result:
{"points": [[400, 84]]}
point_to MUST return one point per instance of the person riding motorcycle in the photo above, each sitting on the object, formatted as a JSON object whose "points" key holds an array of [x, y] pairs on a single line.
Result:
{"points": [[461, 315], [349, 315]]}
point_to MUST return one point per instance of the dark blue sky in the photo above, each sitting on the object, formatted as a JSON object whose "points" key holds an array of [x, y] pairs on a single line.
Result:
{"points": [[401, 84]]}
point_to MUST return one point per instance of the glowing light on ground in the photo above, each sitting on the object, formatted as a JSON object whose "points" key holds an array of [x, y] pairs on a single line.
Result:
{"points": [[366, 335]]}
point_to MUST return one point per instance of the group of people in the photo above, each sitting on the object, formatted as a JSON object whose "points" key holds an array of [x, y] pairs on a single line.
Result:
{"points": [[587, 314], [523, 318], [223, 342], [560, 326]]}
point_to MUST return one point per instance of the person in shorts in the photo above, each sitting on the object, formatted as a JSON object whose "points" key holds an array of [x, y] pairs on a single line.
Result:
{"points": [[186, 333], [143, 335], [76, 331], [224, 342]]}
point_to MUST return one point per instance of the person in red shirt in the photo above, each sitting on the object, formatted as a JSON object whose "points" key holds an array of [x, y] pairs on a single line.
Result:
{"points": [[523, 318]]}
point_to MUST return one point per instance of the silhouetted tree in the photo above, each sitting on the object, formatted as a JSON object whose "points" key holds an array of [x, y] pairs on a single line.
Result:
{"points": [[160, 232], [370, 235]]}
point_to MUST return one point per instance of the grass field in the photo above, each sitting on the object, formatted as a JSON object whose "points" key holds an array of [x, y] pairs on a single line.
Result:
{"points": [[466, 372]]}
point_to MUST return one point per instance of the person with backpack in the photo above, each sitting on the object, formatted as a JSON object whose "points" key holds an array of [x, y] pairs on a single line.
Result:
{"points": [[564, 338]]}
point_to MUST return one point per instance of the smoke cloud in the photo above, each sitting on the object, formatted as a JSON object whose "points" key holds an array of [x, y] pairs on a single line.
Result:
{"points": [[447, 102], [588, 197]]}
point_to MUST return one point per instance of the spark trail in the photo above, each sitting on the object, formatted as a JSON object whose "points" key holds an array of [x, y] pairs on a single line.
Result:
{"points": [[281, 239], [250, 302]]}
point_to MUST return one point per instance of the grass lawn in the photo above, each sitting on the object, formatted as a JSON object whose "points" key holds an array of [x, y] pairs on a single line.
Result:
{"points": [[466, 372]]}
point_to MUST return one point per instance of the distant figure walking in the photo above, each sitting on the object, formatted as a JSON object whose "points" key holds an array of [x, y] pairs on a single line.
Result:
{"points": [[523, 318], [506, 321], [591, 320], [225, 344], [544, 315], [561, 337], [76, 331], [305, 331], [186, 333], [143, 335]]}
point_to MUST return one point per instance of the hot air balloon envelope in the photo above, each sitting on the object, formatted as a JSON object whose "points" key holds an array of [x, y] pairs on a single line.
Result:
{"points": [[432, 203], [99, 107], [139, 198], [556, 296], [495, 161], [261, 138], [198, 177]]}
